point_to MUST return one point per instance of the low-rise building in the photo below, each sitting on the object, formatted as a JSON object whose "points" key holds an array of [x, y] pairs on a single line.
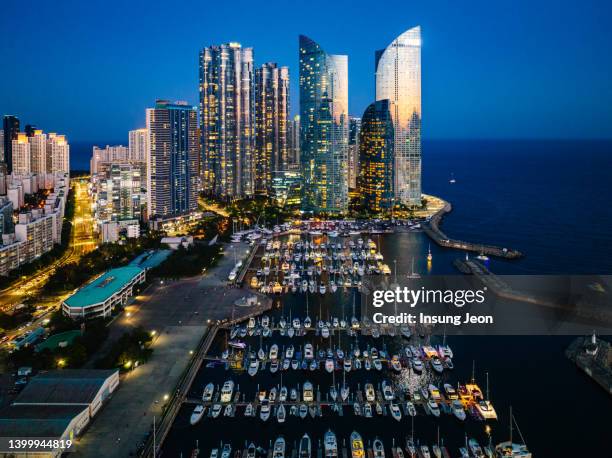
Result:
{"points": [[99, 297]]}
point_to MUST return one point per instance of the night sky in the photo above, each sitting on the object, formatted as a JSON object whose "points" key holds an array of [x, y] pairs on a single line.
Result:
{"points": [[491, 69]]}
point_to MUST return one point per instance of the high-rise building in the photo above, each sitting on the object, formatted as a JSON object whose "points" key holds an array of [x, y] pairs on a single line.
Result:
{"points": [[119, 194], [20, 152], [271, 123], [38, 151], [376, 157], [398, 79], [58, 154], [293, 134], [10, 126], [353, 151], [172, 159], [227, 107], [138, 144], [324, 128], [102, 158]]}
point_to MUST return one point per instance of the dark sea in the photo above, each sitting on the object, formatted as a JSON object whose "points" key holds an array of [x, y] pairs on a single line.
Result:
{"points": [[548, 199]]}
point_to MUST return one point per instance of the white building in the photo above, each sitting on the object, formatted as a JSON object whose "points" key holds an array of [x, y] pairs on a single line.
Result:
{"points": [[138, 140], [58, 154], [21, 154]]}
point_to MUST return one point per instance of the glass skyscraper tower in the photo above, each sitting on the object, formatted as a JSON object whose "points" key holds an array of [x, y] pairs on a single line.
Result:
{"points": [[324, 128], [172, 159], [271, 124], [227, 107], [376, 157], [398, 79]]}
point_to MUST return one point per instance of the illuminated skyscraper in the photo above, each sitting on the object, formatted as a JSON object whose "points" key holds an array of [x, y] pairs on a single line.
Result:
{"points": [[376, 157], [324, 128], [227, 107], [20, 151], [138, 144], [10, 126], [172, 159], [353, 151], [398, 79], [271, 123], [58, 153], [294, 143]]}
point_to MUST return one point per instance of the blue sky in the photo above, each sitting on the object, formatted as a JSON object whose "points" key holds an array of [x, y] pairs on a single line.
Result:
{"points": [[491, 69]]}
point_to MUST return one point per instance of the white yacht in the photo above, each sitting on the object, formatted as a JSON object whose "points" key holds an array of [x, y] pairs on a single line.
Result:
{"points": [[308, 394], [308, 351], [378, 449], [227, 391], [329, 365], [253, 367], [281, 413], [305, 447], [264, 412], [396, 413], [279, 448], [197, 414], [370, 393], [209, 390], [273, 352], [458, 410], [387, 389], [216, 410], [227, 451], [433, 407], [330, 444]]}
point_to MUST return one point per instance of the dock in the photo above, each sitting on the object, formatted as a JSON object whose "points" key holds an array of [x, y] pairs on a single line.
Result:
{"points": [[594, 357], [432, 229]]}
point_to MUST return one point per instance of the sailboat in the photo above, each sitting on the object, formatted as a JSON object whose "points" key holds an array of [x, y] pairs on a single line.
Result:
{"points": [[429, 256], [452, 179], [509, 448], [413, 274]]}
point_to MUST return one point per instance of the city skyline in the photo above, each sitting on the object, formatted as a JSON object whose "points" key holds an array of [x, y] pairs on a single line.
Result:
{"points": [[479, 66]]}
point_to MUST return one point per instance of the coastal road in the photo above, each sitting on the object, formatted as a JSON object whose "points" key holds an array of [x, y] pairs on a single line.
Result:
{"points": [[82, 241]]}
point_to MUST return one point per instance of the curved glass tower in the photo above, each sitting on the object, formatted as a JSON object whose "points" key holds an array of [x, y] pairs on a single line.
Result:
{"points": [[376, 157], [398, 79], [324, 128]]}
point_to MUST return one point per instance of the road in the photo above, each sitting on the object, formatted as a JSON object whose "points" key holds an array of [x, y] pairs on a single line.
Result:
{"points": [[82, 241]]}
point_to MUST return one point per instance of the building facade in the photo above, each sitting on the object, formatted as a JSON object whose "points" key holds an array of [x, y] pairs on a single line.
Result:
{"points": [[10, 128], [20, 151], [172, 159], [293, 134], [353, 151], [138, 145], [324, 128], [271, 124], [398, 79], [376, 146], [227, 120]]}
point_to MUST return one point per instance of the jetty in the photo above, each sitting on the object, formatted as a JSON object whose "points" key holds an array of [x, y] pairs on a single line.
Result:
{"points": [[432, 229], [594, 357]]}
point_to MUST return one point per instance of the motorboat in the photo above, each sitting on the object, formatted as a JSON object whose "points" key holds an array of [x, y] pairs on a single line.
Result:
{"points": [[396, 413], [227, 391], [264, 411], [279, 448], [282, 395], [226, 452], [378, 449], [417, 365], [395, 364], [308, 394], [475, 448], [286, 364], [274, 366], [273, 352], [251, 451], [329, 365], [357, 448], [249, 411], [197, 414], [458, 410], [253, 367], [450, 392], [367, 410], [348, 364], [209, 390], [344, 392], [387, 390], [228, 411], [436, 450], [303, 411], [305, 449], [272, 395], [377, 364], [425, 451], [434, 392], [325, 332], [369, 392], [330, 444], [433, 407], [411, 408], [281, 413], [216, 410], [437, 365], [308, 351], [357, 408], [333, 393]]}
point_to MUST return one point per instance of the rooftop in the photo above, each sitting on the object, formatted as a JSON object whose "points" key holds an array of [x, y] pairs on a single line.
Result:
{"points": [[37, 421], [151, 259], [67, 386], [53, 341], [103, 287]]}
